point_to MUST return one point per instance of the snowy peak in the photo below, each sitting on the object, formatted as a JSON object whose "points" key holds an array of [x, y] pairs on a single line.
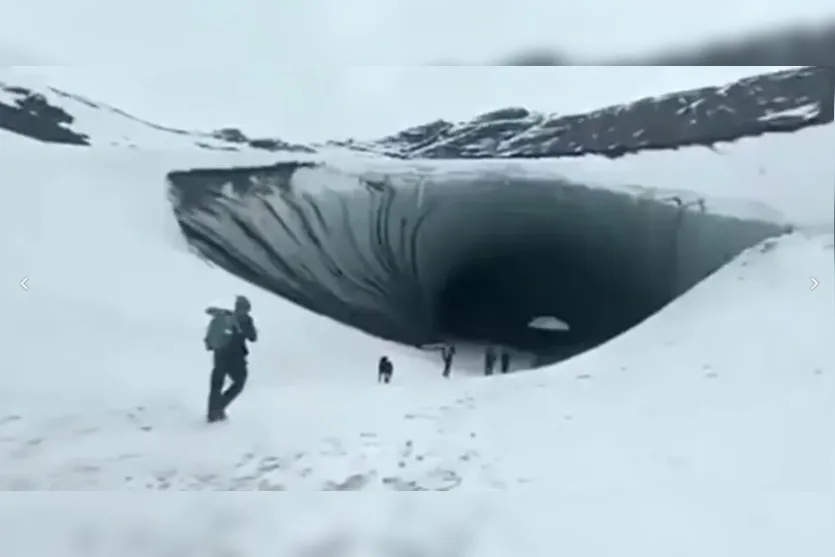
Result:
{"points": [[51, 115], [777, 102]]}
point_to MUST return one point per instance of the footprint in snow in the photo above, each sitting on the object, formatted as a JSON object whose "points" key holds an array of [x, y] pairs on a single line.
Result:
{"points": [[333, 447], [9, 419], [269, 464], [418, 417], [436, 480], [266, 485], [406, 450], [355, 482]]}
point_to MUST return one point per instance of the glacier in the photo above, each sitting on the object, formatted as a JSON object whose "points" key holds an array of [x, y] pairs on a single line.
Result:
{"points": [[703, 430], [467, 231]]}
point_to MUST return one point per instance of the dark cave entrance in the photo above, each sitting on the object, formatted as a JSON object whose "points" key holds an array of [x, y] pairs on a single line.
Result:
{"points": [[492, 298]]}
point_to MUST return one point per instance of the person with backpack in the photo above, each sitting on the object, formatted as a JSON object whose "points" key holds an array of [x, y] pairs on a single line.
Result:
{"points": [[447, 354], [226, 337], [385, 369], [489, 360], [504, 360]]}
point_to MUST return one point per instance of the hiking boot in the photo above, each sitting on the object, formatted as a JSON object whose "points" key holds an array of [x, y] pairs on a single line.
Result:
{"points": [[216, 417]]}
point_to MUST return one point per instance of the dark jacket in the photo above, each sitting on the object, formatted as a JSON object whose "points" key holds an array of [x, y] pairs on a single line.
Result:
{"points": [[384, 366], [243, 331]]}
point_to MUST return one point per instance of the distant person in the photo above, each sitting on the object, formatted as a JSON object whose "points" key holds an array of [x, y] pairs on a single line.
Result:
{"points": [[448, 353], [226, 337], [489, 360], [505, 360], [385, 369]]}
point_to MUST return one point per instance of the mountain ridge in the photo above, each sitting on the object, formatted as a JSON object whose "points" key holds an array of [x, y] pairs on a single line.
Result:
{"points": [[766, 103]]}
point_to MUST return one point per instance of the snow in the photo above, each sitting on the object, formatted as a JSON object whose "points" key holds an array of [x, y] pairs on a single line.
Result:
{"points": [[548, 323], [806, 111], [706, 430], [746, 179], [345, 102], [96, 120], [750, 178]]}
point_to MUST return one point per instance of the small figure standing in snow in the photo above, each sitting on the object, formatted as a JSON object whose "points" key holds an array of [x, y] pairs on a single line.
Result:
{"points": [[448, 353], [226, 337], [385, 369], [489, 360], [505, 360]]}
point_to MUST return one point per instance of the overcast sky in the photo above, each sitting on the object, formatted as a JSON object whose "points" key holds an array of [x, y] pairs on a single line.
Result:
{"points": [[232, 33], [282, 67]]}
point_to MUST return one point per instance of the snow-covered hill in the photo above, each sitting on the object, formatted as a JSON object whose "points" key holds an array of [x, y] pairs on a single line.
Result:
{"points": [[351, 230], [699, 413], [704, 430], [778, 102]]}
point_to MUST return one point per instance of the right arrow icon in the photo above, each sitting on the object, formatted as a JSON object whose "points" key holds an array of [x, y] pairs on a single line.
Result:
{"points": [[814, 282]]}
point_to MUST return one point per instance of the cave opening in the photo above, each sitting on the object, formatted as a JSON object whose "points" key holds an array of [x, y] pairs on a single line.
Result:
{"points": [[493, 296]]}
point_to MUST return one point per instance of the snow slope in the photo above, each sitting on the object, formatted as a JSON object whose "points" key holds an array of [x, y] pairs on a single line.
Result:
{"points": [[747, 411], [672, 439], [345, 102], [705, 444], [381, 288], [123, 263]]}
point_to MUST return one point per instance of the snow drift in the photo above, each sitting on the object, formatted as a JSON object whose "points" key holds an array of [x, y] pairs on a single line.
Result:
{"points": [[705, 430], [393, 237]]}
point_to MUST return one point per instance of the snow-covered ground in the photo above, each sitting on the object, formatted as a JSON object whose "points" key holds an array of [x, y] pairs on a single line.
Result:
{"points": [[706, 430], [728, 389]]}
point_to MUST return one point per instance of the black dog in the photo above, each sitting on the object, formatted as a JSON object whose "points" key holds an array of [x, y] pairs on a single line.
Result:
{"points": [[385, 370]]}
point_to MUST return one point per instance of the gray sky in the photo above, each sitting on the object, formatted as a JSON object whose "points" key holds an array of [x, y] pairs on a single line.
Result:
{"points": [[300, 32]]}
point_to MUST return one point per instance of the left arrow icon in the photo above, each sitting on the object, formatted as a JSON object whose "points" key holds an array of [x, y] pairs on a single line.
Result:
{"points": [[23, 282]]}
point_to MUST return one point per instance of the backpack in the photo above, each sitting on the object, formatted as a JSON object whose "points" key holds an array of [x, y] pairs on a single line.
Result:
{"points": [[219, 331]]}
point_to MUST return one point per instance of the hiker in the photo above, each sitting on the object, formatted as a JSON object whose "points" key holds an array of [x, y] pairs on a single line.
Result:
{"points": [[504, 360], [385, 369], [226, 337], [448, 353], [489, 360]]}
